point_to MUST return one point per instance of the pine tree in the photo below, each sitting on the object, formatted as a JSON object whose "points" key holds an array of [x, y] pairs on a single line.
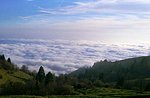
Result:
{"points": [[24, 68], [49, 78], [2, 57], [40, 75], [9, 60]]}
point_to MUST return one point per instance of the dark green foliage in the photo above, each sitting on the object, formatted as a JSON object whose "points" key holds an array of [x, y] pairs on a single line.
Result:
{"points": [[64, 90], [1, 76], [24, 69], [9, 60], [49, 78], [6, 64], [40, 85], [40, 75], [119, 74], [101, 76], [133, 74], [120, 82], [13, 88], [111, 71], [99, 83], [147, 88], [2, 57]]}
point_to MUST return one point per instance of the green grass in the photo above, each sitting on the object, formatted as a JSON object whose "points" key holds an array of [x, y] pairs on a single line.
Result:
{"points": [[14, 76], [63, 96], [93, 93], [111, 92], [23, 96], [22, 75]]}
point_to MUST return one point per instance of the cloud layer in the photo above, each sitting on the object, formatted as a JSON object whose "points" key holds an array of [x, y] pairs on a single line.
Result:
{"points": [[62, 56]]}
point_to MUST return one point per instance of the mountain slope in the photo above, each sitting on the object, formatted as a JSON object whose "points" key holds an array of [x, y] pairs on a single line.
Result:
{"points": [[14, 76], [134, 68]]}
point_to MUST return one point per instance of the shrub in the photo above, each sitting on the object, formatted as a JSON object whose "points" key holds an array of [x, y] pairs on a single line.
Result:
{"points": [[1, 76]]}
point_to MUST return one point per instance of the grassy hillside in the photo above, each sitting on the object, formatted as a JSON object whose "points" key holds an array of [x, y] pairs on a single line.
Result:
{"points": [[14, 76], [8, 72]]}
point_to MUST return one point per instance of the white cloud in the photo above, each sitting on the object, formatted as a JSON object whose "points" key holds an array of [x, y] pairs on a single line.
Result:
{"points": [[126, 7], [30, 0], [97, 19], [136, 1], [62, 56]]}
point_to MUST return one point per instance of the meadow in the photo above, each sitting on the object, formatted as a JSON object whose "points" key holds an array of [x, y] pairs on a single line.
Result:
{"points": [[93, 93]]}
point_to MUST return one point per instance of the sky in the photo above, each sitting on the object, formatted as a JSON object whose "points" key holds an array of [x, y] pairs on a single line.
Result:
{"points": [[64, 35], [108, 21]]}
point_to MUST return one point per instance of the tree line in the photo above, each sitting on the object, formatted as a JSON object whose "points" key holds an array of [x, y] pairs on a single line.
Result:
{"points": [[132, 74]]}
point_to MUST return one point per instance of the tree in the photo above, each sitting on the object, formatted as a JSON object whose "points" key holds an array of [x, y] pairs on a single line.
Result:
{"points": [[49, 78], [147, 88], [40, 75], [1, 76], [64, 90], [9, 60], [101, 76], [13, 88], [2, 57], [99, 83], [120, 82], [24, 69]]}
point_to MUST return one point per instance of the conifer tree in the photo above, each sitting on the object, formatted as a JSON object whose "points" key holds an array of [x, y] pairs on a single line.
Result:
{"points": [[9, 60], [49, 78], [2, 57], [40, 75]]}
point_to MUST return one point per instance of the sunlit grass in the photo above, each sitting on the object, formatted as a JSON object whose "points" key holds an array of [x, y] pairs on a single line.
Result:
{"points": [[14, 76]]}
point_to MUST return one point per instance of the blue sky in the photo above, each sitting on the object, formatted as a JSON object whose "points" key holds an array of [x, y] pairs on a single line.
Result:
{"points": [[109, 21]]}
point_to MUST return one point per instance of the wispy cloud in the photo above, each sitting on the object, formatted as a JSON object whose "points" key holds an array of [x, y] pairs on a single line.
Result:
{"points": [[135, 7], [30, 0], [93, 16]]}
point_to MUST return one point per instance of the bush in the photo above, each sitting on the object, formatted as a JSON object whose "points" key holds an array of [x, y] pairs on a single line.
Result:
{"points": [[64, 90], [11, 88], [1, 76], [147, 88], [98, 83]]}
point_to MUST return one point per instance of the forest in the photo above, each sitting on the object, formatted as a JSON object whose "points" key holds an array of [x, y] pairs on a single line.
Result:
{"points": [[130, 77]]}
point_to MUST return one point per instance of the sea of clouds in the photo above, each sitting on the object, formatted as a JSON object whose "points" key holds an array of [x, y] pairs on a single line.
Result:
{"points": [[64, 56]]}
